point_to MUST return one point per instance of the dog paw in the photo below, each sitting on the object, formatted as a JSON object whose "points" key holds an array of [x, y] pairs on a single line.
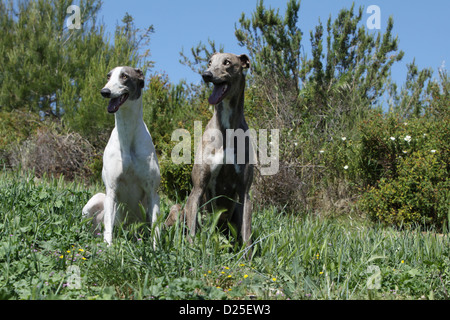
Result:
{"points": [[175, 213]]}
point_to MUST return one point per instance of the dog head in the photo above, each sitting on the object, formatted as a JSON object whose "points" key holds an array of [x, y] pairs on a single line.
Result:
{"points": [[124, 83], [227, 73]]}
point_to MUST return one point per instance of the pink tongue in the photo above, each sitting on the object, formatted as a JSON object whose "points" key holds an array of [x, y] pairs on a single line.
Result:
{"points": [[217, 94], [114, 105]]}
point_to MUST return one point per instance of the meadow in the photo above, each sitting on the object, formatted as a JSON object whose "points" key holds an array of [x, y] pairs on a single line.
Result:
{"points": [[48, 252], [358, 210]]}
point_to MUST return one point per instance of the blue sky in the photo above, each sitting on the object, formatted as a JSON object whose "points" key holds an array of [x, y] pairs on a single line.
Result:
{"points": [[422, 27]]}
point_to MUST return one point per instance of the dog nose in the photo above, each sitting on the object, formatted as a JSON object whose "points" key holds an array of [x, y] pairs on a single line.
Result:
{"points": [[207, 76], [106, 93]]}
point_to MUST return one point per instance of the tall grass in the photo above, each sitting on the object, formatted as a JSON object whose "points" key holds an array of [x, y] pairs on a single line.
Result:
{"points": [[293, 257]]}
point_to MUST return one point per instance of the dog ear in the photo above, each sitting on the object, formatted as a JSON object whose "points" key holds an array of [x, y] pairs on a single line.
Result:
{"points": [[141, 79], [245, 61]]}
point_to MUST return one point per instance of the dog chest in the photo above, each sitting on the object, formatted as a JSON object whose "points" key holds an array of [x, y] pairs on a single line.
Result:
{"points": [[224, 172], [125, 168]]}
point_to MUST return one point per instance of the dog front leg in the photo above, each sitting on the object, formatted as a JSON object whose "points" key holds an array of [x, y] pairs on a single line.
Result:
{"points": [[153, 208], [242, 218], [246, 230], [109, 218], [191, 209]]}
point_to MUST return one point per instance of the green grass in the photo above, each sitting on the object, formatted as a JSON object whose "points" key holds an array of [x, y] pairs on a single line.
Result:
{"points": [[48, 252]]}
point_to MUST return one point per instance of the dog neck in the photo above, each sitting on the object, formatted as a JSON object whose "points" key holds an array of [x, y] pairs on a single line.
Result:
{"points": [[230, 112], [128, 119]]}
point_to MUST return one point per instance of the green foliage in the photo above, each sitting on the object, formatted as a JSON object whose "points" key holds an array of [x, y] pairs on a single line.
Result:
{"points": [[342, 85], [316, 101], [39, 53], [406, 165], [273, 41], [419, 195], [294, 257], [37, 232], [411, 100]]}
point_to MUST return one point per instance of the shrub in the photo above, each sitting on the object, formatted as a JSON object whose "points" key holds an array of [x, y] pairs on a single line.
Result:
{"points": [[283, 190], [405, 165], [420, 194], [175, 179], [50, 152], [15, 127]]}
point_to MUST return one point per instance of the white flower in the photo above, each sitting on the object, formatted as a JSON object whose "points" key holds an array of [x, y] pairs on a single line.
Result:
{"points": [[344, 138], [321, 151], [392, 138], [406, 123], [405, 151], [433, 151], [345, 167], [295, 143], [424, 135], [408, 138]]}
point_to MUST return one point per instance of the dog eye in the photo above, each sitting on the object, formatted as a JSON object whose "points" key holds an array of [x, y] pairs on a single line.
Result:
{"points": [[124, 76], [108, 76], [227, 62], [209, 63]]}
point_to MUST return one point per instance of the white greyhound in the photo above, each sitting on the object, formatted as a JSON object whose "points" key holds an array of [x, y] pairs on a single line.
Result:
{"points": [[130, 167]]}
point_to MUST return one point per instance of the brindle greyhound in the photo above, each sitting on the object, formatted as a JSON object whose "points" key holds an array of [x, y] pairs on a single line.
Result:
{"points": [[219, 182]]}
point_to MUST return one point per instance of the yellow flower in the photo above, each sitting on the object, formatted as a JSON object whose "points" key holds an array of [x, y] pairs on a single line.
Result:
{"points": [[274, 279], [321, 272], [83, 258], [209, 271], [229, 276], [245, 276], [403, 261], [61, 256], [81, 250], [222, 272], [227, 268], [68, 251], [242, 265]]}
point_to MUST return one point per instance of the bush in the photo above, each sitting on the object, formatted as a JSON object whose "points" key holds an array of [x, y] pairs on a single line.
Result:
{"points": [[420, 194], [283, 190], [15, 127], [50, 152], [175, 179], [405, 164]]}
